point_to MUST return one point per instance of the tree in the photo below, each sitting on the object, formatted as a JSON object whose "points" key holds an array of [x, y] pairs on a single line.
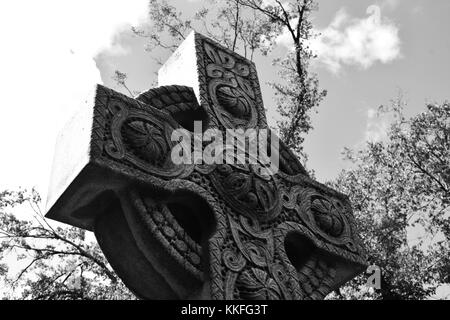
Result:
{"points": [[398, 187], [247, 26], [227, 22], [299, 93], [51, 262]]}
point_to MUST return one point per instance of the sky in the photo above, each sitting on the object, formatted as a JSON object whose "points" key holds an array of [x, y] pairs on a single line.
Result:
{"points": [[54, 52]]}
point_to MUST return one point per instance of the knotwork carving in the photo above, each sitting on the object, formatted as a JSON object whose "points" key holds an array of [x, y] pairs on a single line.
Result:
{"points": [[324, 216], [230, 90], [247, 191], [222, 231], [159, 219], [147, 141], [256, 284], [253, 273], [327, 216], [141, 136], [247, 260]]}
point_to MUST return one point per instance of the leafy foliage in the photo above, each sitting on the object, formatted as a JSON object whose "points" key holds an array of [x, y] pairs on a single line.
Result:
{"points": [[227, 22], [298, 94], [50, 262], [399, 188]]}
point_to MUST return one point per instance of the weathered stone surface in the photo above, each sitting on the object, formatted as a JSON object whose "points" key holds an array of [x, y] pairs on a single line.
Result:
{"points": [[199, 231]]}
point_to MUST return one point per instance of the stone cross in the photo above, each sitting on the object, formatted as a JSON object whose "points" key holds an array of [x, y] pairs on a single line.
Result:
{"points": [[196, 231]]}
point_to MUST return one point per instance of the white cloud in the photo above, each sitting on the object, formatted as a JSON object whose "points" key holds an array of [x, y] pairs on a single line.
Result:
{"points": [[378, 125], [358, 42], [47, 68]]}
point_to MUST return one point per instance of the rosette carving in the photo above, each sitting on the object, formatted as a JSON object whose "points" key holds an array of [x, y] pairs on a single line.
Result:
{"points": [[327, 216], [248, 192], [230, 90], [146, 140]]}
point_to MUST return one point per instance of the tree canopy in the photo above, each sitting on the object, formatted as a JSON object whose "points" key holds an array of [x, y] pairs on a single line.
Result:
{"points": [[400, 190], [45, 261]]}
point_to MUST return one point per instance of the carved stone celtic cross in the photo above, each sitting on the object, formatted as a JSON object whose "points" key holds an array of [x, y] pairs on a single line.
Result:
{"points": [[191, 230]]}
